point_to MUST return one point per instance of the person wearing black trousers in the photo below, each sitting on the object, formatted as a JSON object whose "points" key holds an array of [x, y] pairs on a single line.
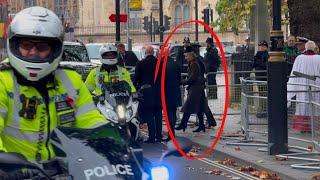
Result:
{"points": [[196, 100], [150, 107], [210, 119], [172, 91]]}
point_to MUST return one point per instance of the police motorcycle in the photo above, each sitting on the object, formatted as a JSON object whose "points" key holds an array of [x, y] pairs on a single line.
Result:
{"points": [[119, 105], [90, 154]]}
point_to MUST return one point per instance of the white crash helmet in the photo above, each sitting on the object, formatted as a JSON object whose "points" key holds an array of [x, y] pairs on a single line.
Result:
{"points": [[109, 49], [36, 23]]}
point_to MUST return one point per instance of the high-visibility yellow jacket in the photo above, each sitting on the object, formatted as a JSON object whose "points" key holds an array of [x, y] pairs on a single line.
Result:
{"points": [[70, 104], [97, 77]]}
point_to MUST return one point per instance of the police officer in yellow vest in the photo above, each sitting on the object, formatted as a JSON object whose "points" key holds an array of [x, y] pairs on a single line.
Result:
{"points": [[108, 72], [35, 94]]}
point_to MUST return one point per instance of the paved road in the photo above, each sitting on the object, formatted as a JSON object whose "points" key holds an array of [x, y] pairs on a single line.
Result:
{"points": [[181, 168]]}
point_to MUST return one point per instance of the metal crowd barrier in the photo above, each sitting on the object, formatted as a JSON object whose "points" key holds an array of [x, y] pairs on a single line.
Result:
{"points": [[254, 121], [310, 123], [216, 93]]}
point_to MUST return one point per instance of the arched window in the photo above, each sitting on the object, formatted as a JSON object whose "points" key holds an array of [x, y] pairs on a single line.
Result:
{"points": [[178, 14], [155, 4], [182, 12], [186, 12], [60, 7]]}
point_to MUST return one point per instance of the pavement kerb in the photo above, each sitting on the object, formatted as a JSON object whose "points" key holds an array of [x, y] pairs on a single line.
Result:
{"points": [[284, 171]]}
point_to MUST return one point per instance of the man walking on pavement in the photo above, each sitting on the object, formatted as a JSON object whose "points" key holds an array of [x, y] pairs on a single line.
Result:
{"points": [[212, 63], [150, 107]]}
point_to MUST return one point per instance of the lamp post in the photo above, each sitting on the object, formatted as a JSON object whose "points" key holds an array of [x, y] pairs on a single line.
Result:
{"points": [[197, 25], [117, 20], [161, 28], [210, 15], [277, 88], [127, 26]]}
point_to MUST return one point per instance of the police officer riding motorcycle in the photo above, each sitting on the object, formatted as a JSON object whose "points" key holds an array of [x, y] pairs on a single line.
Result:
{"points": [[114, 92], [37, 95]]}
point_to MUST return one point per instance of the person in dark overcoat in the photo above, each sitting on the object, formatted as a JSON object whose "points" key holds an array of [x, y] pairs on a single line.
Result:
{"points": [[149, 108], [126, 58], [172, 90], [196, 100], [210, 119]]}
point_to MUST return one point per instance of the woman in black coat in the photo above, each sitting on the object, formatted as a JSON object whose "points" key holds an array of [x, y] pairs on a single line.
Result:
{"points": [[196, 100]]}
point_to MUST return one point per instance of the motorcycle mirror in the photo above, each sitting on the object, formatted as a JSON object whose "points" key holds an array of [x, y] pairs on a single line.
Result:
{"points": [[15, 161], [184, 143]]}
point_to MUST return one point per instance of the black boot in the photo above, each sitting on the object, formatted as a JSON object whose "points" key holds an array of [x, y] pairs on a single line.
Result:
{"points": [[200, 128], [201, 123], [182, 126], [184, 122], [212, 124], [211, 121]]}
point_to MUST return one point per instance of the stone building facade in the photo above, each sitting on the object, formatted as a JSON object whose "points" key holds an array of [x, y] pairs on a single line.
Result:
{"points": [[66, 9], [94, 25], [91, 24]]}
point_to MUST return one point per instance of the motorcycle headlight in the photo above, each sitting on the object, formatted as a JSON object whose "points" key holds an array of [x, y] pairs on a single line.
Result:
{"points": [[160, 173], [121, 111]]}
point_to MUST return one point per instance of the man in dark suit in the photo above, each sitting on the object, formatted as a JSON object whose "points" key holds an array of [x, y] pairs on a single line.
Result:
{"points": [[126, 58], [150, 107]]}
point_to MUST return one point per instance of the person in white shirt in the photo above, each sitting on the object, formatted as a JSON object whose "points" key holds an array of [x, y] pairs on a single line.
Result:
{"points": [[307, 63]]}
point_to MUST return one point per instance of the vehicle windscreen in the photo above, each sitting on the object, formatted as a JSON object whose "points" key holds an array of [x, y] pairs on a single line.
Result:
{"points": [[75, 53], [93, 51]]}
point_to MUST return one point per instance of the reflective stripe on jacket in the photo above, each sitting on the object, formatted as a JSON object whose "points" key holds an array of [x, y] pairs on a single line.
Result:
{"points": [[30, 137]]}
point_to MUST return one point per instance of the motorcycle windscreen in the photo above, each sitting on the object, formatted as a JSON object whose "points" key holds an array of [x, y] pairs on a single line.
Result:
{"points": [[117, 93], [96, 154]]}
